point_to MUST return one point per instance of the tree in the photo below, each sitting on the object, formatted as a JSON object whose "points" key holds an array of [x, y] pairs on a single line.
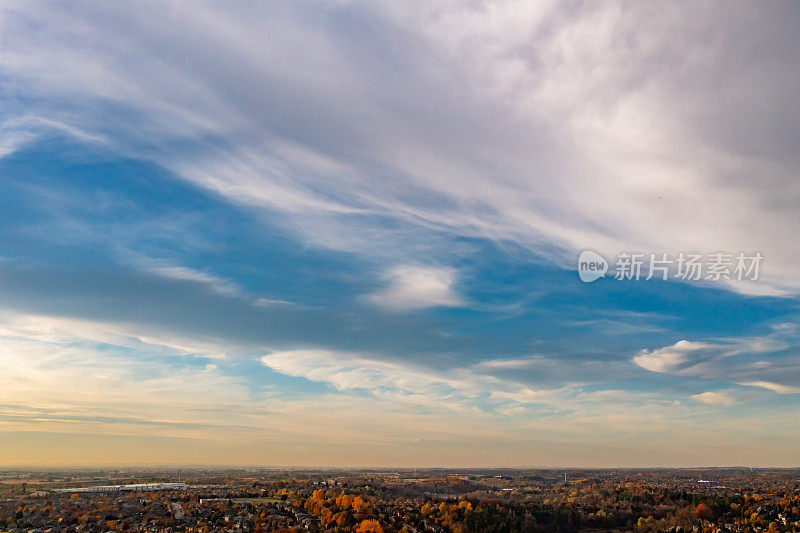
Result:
{"points": [[344, 502], [703, 512], [359, 505], [369, 526]]}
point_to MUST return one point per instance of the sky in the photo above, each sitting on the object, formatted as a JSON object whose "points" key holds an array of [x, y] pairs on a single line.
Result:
{"points": [[346, 233]]}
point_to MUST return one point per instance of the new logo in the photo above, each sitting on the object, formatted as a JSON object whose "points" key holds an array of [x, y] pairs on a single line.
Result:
{"points": [[591, 266]]}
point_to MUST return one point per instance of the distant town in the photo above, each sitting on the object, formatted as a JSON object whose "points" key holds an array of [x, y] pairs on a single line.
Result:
{"points": [[413, 501]]}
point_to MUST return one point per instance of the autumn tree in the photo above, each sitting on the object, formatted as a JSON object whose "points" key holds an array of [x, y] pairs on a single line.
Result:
{"points": [[369, 526], [360, 505]]}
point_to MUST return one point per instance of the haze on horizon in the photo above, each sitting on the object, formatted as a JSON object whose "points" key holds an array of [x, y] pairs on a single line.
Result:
{"points": [[346, 234]]}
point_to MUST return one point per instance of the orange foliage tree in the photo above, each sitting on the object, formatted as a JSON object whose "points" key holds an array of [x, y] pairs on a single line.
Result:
{"points": [[369, 526]]}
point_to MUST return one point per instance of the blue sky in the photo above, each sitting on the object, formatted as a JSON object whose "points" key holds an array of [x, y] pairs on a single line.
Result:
{"points": [[346, 233]]}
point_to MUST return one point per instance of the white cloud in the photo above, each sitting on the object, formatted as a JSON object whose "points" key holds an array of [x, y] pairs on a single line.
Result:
{"points": [[775, 387], [456, 388], [759, 361], [719, 398], [671, 359], [216, 284], [417, 287], [513, 364], [347, 372], [699, 358], [61, 330]]}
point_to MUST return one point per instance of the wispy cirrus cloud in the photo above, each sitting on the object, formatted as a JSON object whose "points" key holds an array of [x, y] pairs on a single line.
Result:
{"points": [[775, 387], [457, 388], [64, 330], [216, 284]]}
